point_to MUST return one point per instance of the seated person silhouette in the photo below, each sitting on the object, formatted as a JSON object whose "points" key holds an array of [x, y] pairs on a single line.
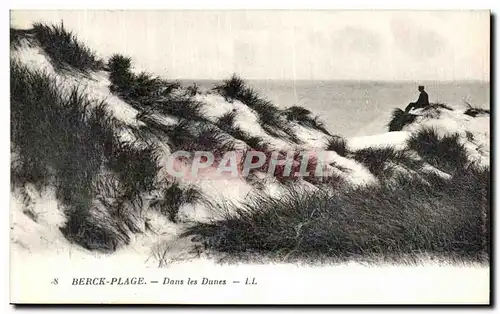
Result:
{"points": [[422, 101]]}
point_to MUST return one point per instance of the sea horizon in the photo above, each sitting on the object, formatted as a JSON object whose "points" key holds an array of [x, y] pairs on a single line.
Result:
{"points": [[360, 107]]}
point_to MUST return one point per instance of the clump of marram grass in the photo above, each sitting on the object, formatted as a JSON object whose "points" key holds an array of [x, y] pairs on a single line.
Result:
{"points": [[227, 123], [92, 233], [269, 115], [418, 216], [337, 144], [446, 152], [53, 132], [136, 166], [475, 111], [64, 49], [187, 135], [212, 139], [120, 74], [141, 90], [296, 113], [69, 142], [192, 90], [60, 140], [181, 108], [400, 119], [438, 105], [304, 117], [146, 92], [180, 134], [18, 35], [381, 160], [173, 196]]}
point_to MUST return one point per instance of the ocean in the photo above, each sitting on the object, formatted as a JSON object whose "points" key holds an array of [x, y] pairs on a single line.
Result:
{"points": [[357, 108]]}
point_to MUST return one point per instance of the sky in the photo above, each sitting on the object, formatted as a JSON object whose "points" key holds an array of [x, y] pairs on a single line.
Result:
{"points": [[286, 44]]}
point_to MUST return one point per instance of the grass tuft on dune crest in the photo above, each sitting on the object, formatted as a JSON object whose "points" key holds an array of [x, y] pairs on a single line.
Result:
{"points": [[65, 51], [337, 144], [270, 116], [304, 117], [173, 196]]}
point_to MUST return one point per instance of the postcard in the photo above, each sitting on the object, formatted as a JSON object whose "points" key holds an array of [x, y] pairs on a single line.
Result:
{"points": [[250, 157]]}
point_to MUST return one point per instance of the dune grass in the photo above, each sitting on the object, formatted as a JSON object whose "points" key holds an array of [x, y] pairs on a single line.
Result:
{"points": [[400, 119], [469, 135], [45, 122], [211, 139], [173, 197], [136, 166], [132, 86], [145, 91], [446, 152], [120, 75], [474, 111], [438, 105], [60, 140], [17, 36], [270, 116], [181, 108], [65, 51], [68, 141], [382, 160], [304, 117], [397, 222], [337, 144], [227, 123]]}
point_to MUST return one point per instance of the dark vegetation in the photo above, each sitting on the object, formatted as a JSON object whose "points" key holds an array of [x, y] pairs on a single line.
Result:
{"points": [[438, 105], [269, 115], [66, 141], [192, 90], [18, 35], [337, 144], [382, 160], [60, 140], [142, 87], [149, 93], [443, 152], [227, 123], [434, 110], [65, 51], [446, 219], [136, 166], [181, 108], [475, 111], [400, 119], [173, 196], [304, 117]]}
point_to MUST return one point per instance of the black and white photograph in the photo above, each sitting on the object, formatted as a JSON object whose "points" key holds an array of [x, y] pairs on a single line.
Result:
{"points": [[250, 157]]}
